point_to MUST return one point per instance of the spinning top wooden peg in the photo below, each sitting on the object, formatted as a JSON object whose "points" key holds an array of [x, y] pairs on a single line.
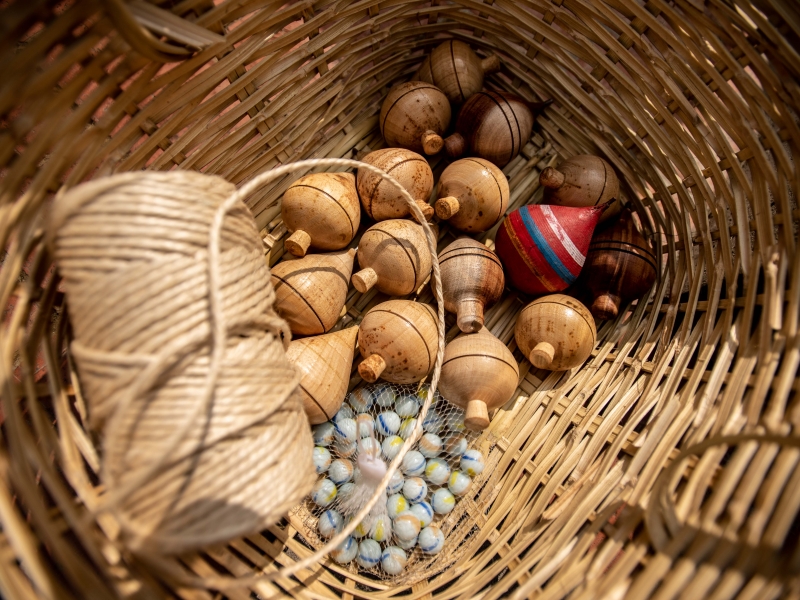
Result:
{"points": [[414, 115], [380, 199], [473, 195], [621, 267], [321, 210], [394, 257], [456, 70], [543, 248], [398, 340], [555, 332], [479, 374], [310, 292], [494, 126], [472, 280], [582, 180]]}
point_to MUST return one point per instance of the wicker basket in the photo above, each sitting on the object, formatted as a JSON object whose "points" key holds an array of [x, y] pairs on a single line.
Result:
{"points": [[667, 465]]}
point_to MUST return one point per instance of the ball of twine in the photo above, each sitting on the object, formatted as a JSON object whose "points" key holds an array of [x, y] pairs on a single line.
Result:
{"points": [[181, 359]]}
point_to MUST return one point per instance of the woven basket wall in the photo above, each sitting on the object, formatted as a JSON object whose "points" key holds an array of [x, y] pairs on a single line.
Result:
{"points": [[667, 465]]}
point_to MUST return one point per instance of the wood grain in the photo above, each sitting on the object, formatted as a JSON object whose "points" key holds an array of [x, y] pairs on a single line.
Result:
{"points": [[473, 195], [472, 281], [310, 292], [455, 69], [393, 256], [321, 210], [479, 374], [399, 336], [379, 199], [582, 180], [693, 103], [555, 332], [491, 125], [414, 115], [620, 266], [323, 363]]}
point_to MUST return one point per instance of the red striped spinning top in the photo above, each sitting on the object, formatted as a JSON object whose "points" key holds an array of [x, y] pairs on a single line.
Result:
{"points": [[543, 247]]}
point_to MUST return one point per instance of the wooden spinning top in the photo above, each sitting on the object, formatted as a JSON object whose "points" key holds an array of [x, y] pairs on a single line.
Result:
{"points": [[620, 265], [543, 247], [494, 126], [398, 341], [472, 280], [414, 115], [394, 257], [380, 199], [456, 70], [555, 332], [479, 374], [473, 194], [582, 180], [321, 210], [310, 292], [323, 363]]}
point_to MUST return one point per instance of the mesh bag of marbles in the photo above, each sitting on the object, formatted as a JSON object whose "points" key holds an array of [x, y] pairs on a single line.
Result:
{"points": [[407, 529]]}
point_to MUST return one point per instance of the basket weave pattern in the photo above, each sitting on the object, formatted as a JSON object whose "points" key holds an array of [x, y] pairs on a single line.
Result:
{"points": [[667, 465]]}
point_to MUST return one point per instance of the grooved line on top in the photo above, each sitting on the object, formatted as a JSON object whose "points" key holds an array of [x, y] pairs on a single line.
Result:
{"points": [[510, 129], [499, 189], [505, 362], [623, 251], [591, 325], [605, 181], [299, 295], [414, 327], [349, 220], [455, 71], [403, 95], [310, 395], [489, 256], [400, 243], [389, 172]]}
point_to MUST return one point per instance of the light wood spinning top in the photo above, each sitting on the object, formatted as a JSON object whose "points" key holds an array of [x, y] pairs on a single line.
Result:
{"points": [[555, 332], [473, 195], [472, 280], [479, 374], [380, 199], [310, 292], [620, 265], [323, 363], [414, 115], [321, 210], [582, 180], [398, 340], [394, 257], [456, 70]]}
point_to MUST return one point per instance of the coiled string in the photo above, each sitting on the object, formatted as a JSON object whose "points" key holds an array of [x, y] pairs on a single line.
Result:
{"points": [[181, 360]]}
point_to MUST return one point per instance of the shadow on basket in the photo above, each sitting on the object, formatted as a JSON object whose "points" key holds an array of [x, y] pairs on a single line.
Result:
{"points": [[634, 161]]}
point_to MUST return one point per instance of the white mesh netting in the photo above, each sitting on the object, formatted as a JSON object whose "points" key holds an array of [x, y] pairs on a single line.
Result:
{"points": [[436, 473]]}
